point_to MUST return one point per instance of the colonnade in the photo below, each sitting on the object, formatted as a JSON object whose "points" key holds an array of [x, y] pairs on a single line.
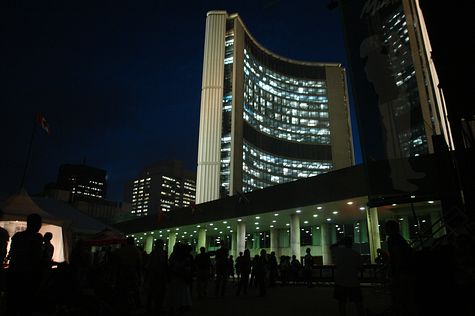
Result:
{"points": [[323, 235]]}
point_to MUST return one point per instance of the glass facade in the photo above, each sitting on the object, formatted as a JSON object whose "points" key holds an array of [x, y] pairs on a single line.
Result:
{"points": [[261, 169], [283, 107], [284, 111], [410, 132], [227, 114]]}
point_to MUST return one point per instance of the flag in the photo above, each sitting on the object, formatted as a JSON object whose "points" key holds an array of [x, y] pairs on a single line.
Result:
{"points": [[42, 121]]}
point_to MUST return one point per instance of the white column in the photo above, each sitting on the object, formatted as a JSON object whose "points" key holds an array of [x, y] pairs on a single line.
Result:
{"points": [[325, 231], [256, 243], [334, 237], [201, 239], [241, 238], [316, 236], [295, 235], [373, 232], [209, 140], [234, 251], [363, 231], [171, 242], [148, 246], [404, 227], [274, 241]]}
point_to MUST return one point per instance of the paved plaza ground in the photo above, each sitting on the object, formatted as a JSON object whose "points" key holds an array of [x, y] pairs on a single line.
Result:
{"points": [[290, 300]]}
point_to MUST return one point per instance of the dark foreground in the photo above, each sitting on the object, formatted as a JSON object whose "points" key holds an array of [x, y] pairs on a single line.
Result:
{"points": [[290, 300]]}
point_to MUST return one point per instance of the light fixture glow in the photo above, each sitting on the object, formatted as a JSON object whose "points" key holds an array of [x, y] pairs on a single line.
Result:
{"points": [[298, 211], [335, 212], [319, 207], [349, 203]]}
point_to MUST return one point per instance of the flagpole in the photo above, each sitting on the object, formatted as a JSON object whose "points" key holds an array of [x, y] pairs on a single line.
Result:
{"points": [[22, 183]]}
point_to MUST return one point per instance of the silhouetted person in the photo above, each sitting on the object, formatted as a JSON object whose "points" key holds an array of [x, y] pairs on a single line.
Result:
{"points": [[284, 269], [180, 267], [129, 273], [157, 277], [231, 267], [238, 265], [24, 273], [203, 271], [222, 269], [273, 267], [401, 270], [347, 284], [261, 272], [308, 268], [295, 267], [254, 263], [48, 249], [463, 263], [4, 238], [244, 270], [47, 258], [80, 261], [382, 260]]}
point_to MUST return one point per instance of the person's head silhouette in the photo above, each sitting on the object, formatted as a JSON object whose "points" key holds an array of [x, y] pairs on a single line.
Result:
{"points": [[47, 237], [33, 222]]}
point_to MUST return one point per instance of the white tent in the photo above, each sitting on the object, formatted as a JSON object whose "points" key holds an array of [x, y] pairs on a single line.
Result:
{"points": [[59, 218], [16, 209]]}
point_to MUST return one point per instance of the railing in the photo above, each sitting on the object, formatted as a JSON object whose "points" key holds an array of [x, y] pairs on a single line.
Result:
{"points": [[369, 273], [455, 222]]}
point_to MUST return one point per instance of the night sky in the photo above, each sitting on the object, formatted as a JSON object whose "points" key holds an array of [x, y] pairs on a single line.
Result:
{"points": [[119, 85]]}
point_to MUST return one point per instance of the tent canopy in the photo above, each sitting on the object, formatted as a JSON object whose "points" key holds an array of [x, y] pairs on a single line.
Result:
{"points": [[19, 206], [106, 237], [57, 216]]}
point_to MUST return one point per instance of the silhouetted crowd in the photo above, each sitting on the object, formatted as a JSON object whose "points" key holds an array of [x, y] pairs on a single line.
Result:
{"points": [[128, 281]]}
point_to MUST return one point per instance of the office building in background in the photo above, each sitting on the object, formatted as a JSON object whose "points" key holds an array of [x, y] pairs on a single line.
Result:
{"points": [[161, 187], [82, 181]]}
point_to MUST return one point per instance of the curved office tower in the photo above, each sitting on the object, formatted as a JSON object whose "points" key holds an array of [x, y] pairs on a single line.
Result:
{"points": [[265, 119]]}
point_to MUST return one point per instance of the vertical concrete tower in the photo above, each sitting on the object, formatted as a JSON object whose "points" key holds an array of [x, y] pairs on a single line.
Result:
{"points": [[265, 119]]}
